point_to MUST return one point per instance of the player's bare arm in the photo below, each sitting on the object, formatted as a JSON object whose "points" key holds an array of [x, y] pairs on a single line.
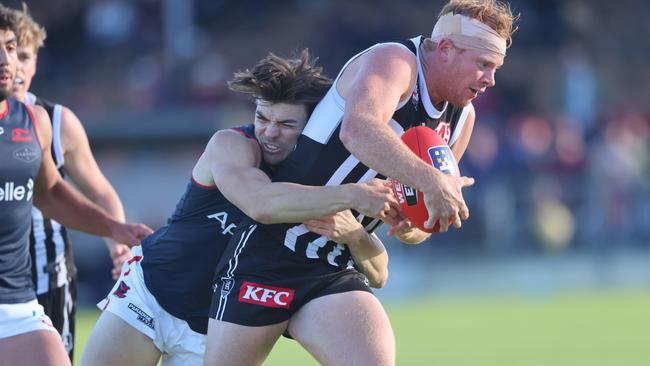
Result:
{"points": [[82, 168], [57, 199], [372, 91], [367, 249], [233, 162]]}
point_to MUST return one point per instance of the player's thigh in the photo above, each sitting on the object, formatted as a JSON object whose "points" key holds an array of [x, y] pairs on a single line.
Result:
{"points": [[229, 344], [41, 347], [113, 342], [349, 328]]}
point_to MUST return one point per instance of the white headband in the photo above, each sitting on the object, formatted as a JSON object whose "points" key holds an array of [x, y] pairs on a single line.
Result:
{"points": [[466, 33]]}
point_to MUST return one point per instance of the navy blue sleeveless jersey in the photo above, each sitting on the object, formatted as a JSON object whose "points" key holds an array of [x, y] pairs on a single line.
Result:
{"points": [[179, 259], [320, 158], [21, 156]]}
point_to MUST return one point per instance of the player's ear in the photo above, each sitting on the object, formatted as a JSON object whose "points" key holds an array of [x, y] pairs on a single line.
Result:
{"points": [[445, 47]]}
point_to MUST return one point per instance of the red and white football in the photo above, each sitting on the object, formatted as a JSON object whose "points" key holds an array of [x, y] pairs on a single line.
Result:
{"points": [[431, 148]]}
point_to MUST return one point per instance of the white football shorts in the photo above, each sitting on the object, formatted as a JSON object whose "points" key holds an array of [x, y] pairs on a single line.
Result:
{"points": [[132, 302], [22, 318]]}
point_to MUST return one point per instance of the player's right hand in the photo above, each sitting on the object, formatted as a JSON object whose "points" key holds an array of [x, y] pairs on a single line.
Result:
{"points": [[130, 234], [444, 201]]}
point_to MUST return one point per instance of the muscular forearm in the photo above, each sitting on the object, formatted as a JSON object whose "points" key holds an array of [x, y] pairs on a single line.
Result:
{"points": [[72, 209], [110, 202], [287, 202], [370, 256], [382, 150]]}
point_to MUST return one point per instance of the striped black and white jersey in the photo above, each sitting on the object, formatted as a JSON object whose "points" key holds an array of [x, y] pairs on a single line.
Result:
{"points": [[49, 246], [320, 158]]}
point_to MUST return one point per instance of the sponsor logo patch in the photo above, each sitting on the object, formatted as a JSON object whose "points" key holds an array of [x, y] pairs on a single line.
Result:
{"points": [[26, 154], [227, 283], [405, 193], [444, 130], [442, 158], [272, 297], [11, 191], [142, 316], [21, 135], [411, 195], [227, 228], [122, 289]]}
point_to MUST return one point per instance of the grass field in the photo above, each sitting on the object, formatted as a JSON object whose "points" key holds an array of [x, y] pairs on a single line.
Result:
{"points": [[589, 329]]}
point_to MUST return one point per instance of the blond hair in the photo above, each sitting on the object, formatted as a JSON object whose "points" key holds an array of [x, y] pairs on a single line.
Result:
{"points": [[29, 33], [495, 14]]}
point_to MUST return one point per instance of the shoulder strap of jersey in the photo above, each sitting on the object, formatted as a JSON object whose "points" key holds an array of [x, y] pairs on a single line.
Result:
{"points": [[54, 111], [408, 44]]}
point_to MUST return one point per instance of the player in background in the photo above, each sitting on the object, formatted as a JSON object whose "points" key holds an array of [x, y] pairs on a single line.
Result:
{"points": [[29, 177], [159, 306], [352, 136], [53, 269]]}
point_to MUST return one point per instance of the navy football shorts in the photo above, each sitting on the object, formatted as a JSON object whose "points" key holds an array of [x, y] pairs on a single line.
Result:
{"points": [[258, 301]]}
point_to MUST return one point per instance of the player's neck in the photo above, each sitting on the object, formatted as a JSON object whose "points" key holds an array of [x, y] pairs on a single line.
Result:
{"points": [[434, 97]]}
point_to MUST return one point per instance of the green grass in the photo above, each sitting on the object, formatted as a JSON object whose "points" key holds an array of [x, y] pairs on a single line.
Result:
{"points": [[590, 329]]}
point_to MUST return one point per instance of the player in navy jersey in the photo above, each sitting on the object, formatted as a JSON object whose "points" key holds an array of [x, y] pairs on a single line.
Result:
{"points": [[159, 306], [53, 269], [28, 175], [275, 275]]}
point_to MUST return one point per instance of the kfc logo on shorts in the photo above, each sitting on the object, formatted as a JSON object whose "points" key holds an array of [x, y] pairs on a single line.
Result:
{"points": [[273, 297]]}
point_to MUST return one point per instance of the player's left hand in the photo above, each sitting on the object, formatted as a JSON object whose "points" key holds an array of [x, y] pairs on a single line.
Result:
{"points": [[130, 234], [341, 227]]}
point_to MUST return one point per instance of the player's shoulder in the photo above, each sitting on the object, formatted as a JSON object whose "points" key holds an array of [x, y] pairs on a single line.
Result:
{"points": [[66, 114], [42, 124], [43, 102], [228, 139], [38, 113], [392, 51]]}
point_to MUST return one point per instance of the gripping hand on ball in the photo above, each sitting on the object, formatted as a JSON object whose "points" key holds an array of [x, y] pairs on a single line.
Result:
{"points": [[445, 202]]}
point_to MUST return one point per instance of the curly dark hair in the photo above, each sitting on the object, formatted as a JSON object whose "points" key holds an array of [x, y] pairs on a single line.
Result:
{"points": [[278, 80]]}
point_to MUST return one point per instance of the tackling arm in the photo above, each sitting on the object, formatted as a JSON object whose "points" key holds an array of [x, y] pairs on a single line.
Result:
{"points": [[231, 162]]}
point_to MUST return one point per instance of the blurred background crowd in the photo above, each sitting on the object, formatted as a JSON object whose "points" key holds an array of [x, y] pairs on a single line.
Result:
{"points": [[559, 151]]}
